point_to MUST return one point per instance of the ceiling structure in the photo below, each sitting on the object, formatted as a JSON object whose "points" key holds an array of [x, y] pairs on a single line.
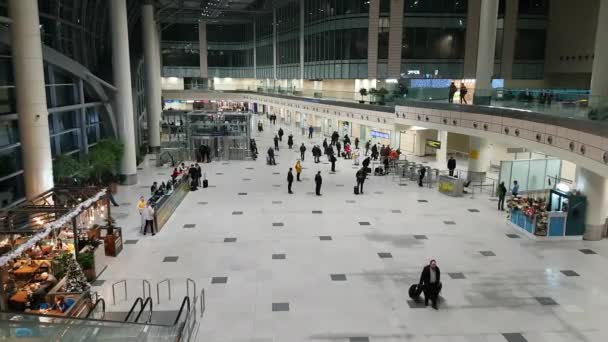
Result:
{"points": [[221, 11]]}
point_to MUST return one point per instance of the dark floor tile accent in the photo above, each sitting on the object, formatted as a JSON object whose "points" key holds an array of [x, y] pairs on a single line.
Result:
{"points": [[396, 211], [325, 238], [203, 203], [145, 186], [364, 223], [493, 199], [513, 236], [514, 337], [351, 201], [219, 280], [237, 213], [152, 159], [545, 301], [317, 211], [457, 275], [140, 168], [242, 194], [276, 173], [487, 253], [161, 174], [358, 339], [219, 174], [276, 185], [474, 210], [125, 203], [250, 168], [130, 242], [310, 193], [170, 259], [277, 202], [385, 255], [423, 201], [569, 273], [225, 163], [98, 282], [449, 222], [415, 304], [280, 306], [339, 185], [213, 186], [402, 184], [587, 251], [190, 225], [338, 277], [332, 173], [278, 224], [278, 256], [246, 179], [230, 239], [421, 237], [305, 179], [378, 192]]}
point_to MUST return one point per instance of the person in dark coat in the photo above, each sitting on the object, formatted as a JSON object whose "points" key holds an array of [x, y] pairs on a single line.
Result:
{"points": [[289, 181], [334, 137], [375, 152], [368, 145], [317, 154], [290, 141], [346, 140], [430, 281], [451, 164], [451, 92], [276, 142], [338, 147], [356, 143], [199, 174], [271, 160], [302, 150], [333, 160], [501, 193], [310, 131], [360, 179], [281, 134], [318, 182], [421, 173]]}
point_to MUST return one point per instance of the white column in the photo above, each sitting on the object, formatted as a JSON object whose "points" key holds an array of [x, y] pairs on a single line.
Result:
{"points": [[479, 158], [485, 51], [442, 154], [274, 43], [202, 43], [122, 81], [595, 187], [395, 36], [472, 38], [302, 42], [508, 40], [599, 73], [31, 97], [372, 39], [153, 104], [255, 60]]}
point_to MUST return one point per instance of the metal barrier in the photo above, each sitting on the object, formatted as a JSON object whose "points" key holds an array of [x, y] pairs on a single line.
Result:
{"points": [[114, 291], [144, 282], [203, 302], [168, 281], [188, 282]]}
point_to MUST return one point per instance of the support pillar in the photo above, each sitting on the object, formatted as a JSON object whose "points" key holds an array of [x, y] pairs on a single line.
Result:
{"points": [[471, 38], [31, 97], [202, 45], [255, 51], [479, 159], [123, 96], [372, 39], [595, 187], [441, 155], [302, 14], [151, 65], [508, 40], [274, 43], [84, 129], [485, 52], [599, 73], [395, 36]]}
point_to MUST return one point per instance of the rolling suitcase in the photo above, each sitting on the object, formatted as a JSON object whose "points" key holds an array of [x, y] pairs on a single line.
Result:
{"points": [[415, 292], [356, 190], [205, 181]]}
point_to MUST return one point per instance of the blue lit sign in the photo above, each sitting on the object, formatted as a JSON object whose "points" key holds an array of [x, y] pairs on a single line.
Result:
{"points": [[381, 135]]}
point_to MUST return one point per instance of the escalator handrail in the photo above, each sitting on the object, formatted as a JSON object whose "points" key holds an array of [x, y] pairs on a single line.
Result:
{"points": [[179, 314], [141, 303], [148, 300], [103, 305]]}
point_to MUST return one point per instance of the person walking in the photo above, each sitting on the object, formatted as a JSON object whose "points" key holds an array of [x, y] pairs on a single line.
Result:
{"points": [[148, 214], [199, 174], [451, 165], [325, 144], [375, 152], [334, 137], [451, 92], [338, 147], [276, 142], [502, 193], [289, 181], [317, 154], [360, 175], [463, 93], [422, 173], [356, 143], [333, 160], [290, 141], [310, 130], [271, 157], [318, 183], [298, 170], [302, 151], [515, 189], [430, 282], [346, 140], [141, 206], [368, 144], [281, 132]]}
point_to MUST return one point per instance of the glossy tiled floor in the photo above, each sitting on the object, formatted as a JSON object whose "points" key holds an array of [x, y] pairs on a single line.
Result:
{"points": [[293, 268]]}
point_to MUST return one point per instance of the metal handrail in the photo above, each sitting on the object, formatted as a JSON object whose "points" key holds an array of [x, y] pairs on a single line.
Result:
{"points": [[188, 281], [181, 308], [143, 288], [114, 292], [141, 303], [168, 281], [143, 307], [203, 302], [97, 302]]}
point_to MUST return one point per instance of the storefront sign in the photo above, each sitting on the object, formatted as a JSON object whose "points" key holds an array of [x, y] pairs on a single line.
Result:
{"points": [[381, 135], [433, 143], [446, 187]]}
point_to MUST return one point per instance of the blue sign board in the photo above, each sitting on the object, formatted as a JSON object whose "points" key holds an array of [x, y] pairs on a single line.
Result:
{"points": [[381, 135]]}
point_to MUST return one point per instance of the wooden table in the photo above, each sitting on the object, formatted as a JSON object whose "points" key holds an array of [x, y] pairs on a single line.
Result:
{"points": [[52, 312], [20, 297], [27, 270]]}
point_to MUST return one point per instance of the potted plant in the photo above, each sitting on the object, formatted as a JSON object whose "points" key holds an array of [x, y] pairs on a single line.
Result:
{"points": [[363, 93], [382, 92], [113, 239], [87, 263], [373, 93], [103, 161], [67, 170]]}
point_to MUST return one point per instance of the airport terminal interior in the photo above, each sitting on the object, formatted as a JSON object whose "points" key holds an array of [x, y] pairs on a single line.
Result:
{"points": [[304, 170]]}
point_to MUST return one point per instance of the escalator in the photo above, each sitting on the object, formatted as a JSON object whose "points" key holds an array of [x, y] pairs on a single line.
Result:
{"points": [[136, 325]]}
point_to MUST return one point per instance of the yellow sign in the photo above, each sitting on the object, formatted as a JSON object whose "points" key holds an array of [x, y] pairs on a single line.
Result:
{"points": [[474, 154], [446, 186]]}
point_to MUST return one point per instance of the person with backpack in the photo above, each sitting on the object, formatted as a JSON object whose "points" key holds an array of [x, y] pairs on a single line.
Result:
{"points": [[338, 147], [501, 192], [271, 160], [368, 144], [333, 160], [290, 141], [302, 150], [325, 144], [360, 175], [289, 181], [276, 142], [298, 170], [375, 152]]}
